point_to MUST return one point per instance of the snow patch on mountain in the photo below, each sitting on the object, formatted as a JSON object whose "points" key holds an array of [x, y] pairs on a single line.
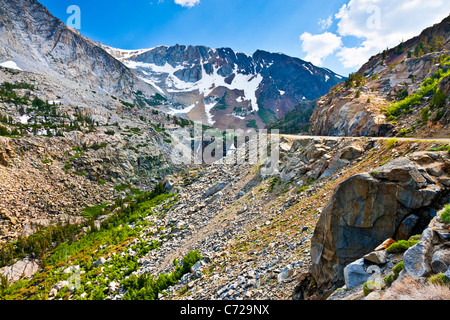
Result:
{"points": [[209, 116], [208, 82], [10, 65]]}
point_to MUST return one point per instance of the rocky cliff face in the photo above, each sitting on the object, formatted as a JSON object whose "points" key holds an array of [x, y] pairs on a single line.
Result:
{"points": [[225, 88], [34, 40], [361, 106]]}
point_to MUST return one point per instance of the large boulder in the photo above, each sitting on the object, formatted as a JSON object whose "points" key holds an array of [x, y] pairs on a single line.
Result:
{"points": [[364, 211], [215, 189]]}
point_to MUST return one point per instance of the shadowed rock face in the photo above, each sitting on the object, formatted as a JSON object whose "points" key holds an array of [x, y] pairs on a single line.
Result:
{"points": [[369, 208]]}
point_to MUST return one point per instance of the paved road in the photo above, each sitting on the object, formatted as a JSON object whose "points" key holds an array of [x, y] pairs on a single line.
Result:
{"points": [[298, 137]]}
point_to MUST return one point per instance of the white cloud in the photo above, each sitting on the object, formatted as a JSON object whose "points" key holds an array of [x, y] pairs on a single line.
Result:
{"points": [[384, 23], [326, 23], [187, 3], [379, 24], [320, 46]]}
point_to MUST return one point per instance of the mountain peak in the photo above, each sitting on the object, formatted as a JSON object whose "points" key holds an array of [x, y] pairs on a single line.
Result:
{"points": [[227, 88]]}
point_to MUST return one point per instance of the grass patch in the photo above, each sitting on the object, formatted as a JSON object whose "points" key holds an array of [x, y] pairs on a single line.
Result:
{"points": [[300, 190], [401, 246], [441, 148], [439, 279], [390, 143], [95, 211]]}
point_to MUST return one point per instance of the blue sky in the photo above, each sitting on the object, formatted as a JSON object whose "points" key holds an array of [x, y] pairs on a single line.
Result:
{"points": [[320, 31]]}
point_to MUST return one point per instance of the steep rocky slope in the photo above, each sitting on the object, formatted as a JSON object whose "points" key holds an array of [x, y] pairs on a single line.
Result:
{"points": [[91, 206], [253, 233], [228, 89], [402, 91], [58, 157], [32, 39]]}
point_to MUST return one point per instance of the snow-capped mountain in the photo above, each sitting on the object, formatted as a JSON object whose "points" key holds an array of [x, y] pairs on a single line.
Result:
{"points": [[225, 88], [221, 87]]}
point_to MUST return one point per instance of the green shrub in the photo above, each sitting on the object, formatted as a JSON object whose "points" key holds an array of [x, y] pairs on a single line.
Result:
{"points": [[445, 147], [147, 287], [401, 95], [401, 246], [445, 215], [438, 100], [397, 269], [355, 80], [389, 279], [394, 276], [274, 182], [428, 86], [403, 132], [94, 211], [358, 94], [122, 187], [416, 237], [438, 115], [99, 146], [367, 288], [183, 291], [300, 190], [425, 114], [62, 245]]}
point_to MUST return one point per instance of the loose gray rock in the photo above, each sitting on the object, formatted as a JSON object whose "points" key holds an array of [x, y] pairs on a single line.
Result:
{"points": [[355, 274], [441, 261], [285, 274], [378, 257], [213, 190], [99, 262]]}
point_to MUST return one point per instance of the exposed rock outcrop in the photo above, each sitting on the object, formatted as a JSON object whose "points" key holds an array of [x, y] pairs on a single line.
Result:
{"points": [[371, 207], [432, 254], [23, 269], [344, 115]]}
